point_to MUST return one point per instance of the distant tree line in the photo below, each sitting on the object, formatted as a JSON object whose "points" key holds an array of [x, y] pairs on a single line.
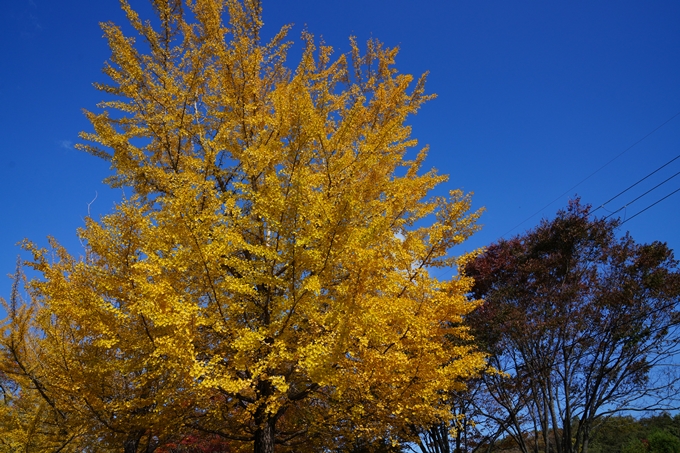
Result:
{"points": [[626, 434]]}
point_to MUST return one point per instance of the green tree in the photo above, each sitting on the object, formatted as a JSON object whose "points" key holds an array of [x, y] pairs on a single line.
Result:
{"points": [[634, 446], [661, 441]]}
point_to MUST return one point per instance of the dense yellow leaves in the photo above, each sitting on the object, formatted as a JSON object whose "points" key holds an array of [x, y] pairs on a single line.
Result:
{"points": [[273, 265]]}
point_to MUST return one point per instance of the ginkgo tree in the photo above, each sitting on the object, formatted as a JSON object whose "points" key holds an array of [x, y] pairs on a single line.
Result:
{"points": [[269, 278]]}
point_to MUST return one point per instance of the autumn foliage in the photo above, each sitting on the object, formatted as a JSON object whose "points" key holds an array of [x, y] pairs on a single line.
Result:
{"points": [[268, 279], [583, 322]]}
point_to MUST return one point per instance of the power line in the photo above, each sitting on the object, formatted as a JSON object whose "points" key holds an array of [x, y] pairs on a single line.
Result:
{"points": [[636, 199], [635, 184], [656, 202], [593, 173]]}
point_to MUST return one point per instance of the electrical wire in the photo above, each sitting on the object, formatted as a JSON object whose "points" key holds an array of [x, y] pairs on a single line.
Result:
{"points": [[636, 199], [656, 202], [602, 206], [592, 174]]}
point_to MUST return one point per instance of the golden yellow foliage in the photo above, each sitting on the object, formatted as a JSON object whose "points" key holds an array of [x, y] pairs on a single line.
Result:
{"points": [[270, 277]]}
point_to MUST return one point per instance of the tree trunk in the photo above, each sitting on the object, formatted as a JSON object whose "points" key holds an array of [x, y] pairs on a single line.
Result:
{"points": [[132, 442], [266, 423], [584, 445], [264, 437]]}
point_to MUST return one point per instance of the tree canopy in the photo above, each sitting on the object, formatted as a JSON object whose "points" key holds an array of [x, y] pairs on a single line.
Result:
{"points": [[268, 279], [582, 324]]}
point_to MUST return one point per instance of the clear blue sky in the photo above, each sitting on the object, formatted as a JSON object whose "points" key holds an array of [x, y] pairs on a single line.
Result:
{"points": [[533, 97]]}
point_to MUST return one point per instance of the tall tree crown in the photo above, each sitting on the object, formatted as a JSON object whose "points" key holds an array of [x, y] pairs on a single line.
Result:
{"points": [[269, 278]]}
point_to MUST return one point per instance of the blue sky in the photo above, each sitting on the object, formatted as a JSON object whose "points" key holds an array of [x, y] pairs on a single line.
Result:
{"points": [[533, 97]]}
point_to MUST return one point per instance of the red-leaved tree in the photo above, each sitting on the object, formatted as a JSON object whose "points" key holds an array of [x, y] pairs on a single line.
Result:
{"points": [[581, 322]]}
